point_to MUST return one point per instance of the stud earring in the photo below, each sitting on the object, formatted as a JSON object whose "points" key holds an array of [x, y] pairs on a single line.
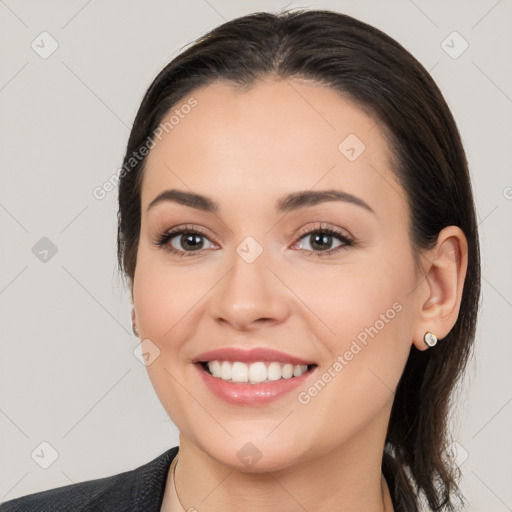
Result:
{"points": [[430, 339], [134, 330]]}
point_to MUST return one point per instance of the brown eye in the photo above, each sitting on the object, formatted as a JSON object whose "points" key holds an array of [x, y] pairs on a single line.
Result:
{"points": [[188, 241], [321, 240], [184, 241]]}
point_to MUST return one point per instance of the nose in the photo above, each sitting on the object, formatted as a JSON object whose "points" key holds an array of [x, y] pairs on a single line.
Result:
{"points": [[250, 296]]}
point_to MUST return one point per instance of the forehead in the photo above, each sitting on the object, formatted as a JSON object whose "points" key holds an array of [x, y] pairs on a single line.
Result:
{"points": [[276, 137]]}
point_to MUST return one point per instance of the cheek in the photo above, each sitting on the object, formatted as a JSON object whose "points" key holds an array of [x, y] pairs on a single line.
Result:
{"points": [[164, 299], [351, 300], [369, 318], [163, 295]]}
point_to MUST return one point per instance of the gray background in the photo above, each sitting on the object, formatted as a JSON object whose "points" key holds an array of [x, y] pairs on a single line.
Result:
{"points": [[68, 374]]}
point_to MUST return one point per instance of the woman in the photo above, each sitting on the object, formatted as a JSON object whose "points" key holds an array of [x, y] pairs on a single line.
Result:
{"points": [[297, 227]]}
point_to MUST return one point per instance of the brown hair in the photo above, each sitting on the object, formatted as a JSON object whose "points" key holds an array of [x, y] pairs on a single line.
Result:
{"points": [[375, 71]]}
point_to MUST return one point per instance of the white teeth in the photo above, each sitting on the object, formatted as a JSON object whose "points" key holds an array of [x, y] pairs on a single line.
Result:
{"points": [[287, 371], [239, 372], [255, 373], [274, 371], [225, 371], [214, 367]]}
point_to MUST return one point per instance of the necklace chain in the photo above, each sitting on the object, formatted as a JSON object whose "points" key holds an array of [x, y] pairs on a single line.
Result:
{"points": [[174, 483]]}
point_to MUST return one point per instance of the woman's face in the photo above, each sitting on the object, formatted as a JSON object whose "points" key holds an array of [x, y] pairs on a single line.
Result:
{"points": [[263, 282]]}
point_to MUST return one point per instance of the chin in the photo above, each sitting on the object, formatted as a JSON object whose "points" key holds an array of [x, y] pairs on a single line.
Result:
{"points": [[256, 455]]}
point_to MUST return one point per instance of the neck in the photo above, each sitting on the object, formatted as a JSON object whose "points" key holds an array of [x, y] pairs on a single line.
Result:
{"points": [[348, 478]]}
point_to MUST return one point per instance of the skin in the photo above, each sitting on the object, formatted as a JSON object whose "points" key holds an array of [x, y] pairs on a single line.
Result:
{"points": [[246, 150]]}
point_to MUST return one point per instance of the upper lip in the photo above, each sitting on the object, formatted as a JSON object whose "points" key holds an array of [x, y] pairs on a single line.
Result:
{"points": [[249, 356]]}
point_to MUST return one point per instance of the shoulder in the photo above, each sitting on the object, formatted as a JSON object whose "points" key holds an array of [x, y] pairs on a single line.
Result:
{"points": [[141, 489]]}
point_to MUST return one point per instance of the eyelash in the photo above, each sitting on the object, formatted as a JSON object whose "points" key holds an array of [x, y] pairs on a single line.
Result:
{"points": [[324, 229]]}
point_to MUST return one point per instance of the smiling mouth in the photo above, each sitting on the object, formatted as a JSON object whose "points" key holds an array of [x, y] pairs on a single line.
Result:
{"points": [[254, 373]]}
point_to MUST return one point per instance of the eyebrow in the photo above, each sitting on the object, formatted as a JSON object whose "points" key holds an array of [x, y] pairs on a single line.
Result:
{"points": [[293, 201]]}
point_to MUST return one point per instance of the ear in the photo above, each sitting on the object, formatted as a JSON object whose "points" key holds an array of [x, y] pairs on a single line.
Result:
{"points": [[440, 293]]}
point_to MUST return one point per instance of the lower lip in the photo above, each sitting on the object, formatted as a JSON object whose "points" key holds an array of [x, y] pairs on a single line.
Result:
{"points": [[243, 393]]}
